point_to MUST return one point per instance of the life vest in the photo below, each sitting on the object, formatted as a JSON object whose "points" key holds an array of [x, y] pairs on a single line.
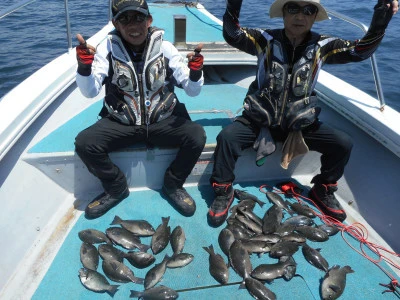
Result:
{"points": [[279, 98], [138, 98]]}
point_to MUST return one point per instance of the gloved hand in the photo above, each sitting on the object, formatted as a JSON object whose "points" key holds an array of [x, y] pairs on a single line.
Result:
{"points": [[393, 5], [195, 63], [84, 56]]}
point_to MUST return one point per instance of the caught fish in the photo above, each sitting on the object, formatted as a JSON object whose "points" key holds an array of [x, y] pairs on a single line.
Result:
{"points": [[329, 229], [302, 209], [239, 259], [246, 204], [225, 240], [313, 233], [239, 231], [154, 275], [276, 199], [125, 238], [110, 252], [96, 282], [314, 257], [294, 237], [89, 256], [243, 195], [283, 248], [270, 238], [291, 267], [253, 246], [93, 236], [180, 260], [285, 229], [140, 259], [119, 272], [249, 214], [160, 238], [272, 219], [156, 293], [177, 239], [217, 266], [334, 282], [258, 290], [269, 272], [137, 227], [299, 221], [249, 224]]}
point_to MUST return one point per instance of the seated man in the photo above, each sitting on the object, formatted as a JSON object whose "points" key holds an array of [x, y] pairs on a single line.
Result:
{"points": [[139, 71], [281, 103]]}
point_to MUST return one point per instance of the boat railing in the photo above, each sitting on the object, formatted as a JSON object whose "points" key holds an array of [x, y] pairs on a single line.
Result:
{"points": [[340, 16]]}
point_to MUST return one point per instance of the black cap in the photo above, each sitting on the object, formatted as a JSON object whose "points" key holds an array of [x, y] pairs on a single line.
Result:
{"points": [[120, 6]]}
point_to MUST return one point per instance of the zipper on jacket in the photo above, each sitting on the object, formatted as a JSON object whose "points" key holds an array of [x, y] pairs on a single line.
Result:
{"points": [[143, 105], [287, 86]]}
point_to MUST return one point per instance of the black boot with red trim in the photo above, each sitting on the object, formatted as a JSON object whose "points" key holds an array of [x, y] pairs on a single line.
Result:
{"points": [[323, 196], [219, 208]]}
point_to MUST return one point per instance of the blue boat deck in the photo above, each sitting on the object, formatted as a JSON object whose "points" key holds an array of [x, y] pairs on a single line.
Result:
{"points": [[62, 281]]}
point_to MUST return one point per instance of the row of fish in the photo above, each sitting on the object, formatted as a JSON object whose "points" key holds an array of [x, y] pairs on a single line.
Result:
{"points": [[247, 234], [128, 236]]}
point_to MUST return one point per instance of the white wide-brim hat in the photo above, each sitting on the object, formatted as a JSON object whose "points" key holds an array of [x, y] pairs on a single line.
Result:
{"points": [[276, 9]]}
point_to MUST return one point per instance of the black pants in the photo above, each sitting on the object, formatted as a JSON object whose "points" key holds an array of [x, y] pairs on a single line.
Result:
{"points": [[334, 145], [95, 142]]}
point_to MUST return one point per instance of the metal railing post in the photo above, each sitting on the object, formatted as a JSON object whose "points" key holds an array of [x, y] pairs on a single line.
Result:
{"points": [[68, 25]]}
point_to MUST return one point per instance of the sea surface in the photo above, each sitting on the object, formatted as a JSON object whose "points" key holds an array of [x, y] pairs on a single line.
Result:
{"points": [[36, 34]]}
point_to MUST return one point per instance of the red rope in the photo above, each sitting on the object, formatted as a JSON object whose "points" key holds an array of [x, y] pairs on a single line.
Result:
{"points": [[356, 230]]}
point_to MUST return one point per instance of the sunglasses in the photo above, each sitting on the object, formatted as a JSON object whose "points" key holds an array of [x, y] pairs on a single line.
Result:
{"points": [[126, 19], [294, 9]]}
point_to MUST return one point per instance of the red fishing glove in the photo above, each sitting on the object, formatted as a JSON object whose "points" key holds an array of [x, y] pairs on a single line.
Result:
{"points": [[195, 63], [84, 56]]}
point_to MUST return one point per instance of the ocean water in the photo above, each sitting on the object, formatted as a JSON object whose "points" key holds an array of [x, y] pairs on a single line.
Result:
{"points": [[36, 34]]}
